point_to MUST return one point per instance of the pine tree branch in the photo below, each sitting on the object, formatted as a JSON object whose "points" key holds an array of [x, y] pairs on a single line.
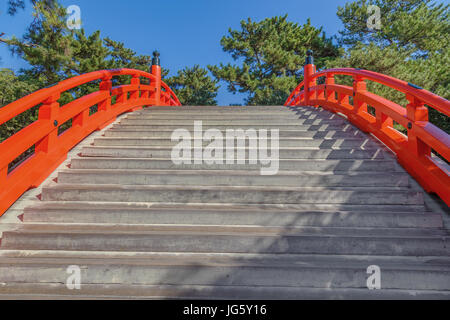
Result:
{"points": [[28, 45]]}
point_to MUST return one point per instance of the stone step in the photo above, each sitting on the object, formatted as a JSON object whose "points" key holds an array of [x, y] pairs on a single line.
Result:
{"points": [[266, 229], [215, 108], [233, 208], [247, 123], [284, 164], [29, 257], [283, 142], [167, 134], [203, 242], [95, 212], [232, 269], [235, 194], [231, 177], [190, 127], [225, 117], [52, 291], [247, 153], [190, 116]]}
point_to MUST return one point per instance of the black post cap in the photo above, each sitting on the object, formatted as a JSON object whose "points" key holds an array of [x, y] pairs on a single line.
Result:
{"points": [[155, 60], [309, 57]]}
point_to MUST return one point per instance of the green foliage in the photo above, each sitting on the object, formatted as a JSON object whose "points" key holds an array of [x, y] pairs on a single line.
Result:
{"points": [[272, 52], [413, 45], [12, 88], [419, 25], [46, 45], [194, 87], [55, 53]]}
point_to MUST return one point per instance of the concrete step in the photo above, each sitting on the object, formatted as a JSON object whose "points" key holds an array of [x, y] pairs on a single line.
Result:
{"points": [[235, 208], [227, 194], [167, 134], [283, 142], [247, 123], [29, 257], [230, 178], [284, 153], [190, 127], [212, 110], [232, 269], [266, 229], [216, 108], [189, 116], [95, 212], [225, 117], [52, 291], [284, 164], [203, 242]]}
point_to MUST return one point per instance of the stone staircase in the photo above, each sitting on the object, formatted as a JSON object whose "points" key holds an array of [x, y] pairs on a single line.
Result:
{"points": [[140, 226]]}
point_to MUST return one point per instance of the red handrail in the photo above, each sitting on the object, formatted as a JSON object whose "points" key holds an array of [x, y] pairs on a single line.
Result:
{"points": [[413, 150], [50, 148]]}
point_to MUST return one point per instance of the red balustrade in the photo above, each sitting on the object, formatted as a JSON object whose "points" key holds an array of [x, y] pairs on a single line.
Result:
{"points": [[414, 149], [50, 148]]}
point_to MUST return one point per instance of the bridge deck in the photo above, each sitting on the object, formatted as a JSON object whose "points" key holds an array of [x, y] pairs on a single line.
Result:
{"points": [[139, 225]]}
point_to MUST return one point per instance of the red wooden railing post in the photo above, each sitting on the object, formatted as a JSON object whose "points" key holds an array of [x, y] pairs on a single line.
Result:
{"points": [[359, 86], [308, 71], [135, 81], [49, 111], [105, 85], [415, 112], [104, 106], [156, 71], [329, 94], [134, 94]]}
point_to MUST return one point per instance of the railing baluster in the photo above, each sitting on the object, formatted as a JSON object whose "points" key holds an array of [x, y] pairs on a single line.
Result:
{"points": [[81, 119], [135, 81], [359, 86], [145, 93], [383, 121], [104, 107], [416, 111], [49, 111], [105, 85], [329, 94]]}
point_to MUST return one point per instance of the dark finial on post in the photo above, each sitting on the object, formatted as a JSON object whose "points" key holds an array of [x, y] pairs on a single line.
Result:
{"points": [[155, 60], [309, 57]]}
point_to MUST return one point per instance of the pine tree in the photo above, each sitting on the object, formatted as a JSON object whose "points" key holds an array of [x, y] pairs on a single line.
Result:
{"points": [[273, 53], [194, 87], [13, 87], [413, 44], [46, 45], [417, 25]]}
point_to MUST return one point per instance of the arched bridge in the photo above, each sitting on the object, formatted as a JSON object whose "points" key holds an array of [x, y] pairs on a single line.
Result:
{"points": [[142, 197]]}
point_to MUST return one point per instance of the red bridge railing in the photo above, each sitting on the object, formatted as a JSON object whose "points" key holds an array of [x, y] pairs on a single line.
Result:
{"points": [[413, 150], [50, 148]]}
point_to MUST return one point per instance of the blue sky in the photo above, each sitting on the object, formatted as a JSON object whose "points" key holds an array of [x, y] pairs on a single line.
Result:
{"points": [[185, 32]]}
